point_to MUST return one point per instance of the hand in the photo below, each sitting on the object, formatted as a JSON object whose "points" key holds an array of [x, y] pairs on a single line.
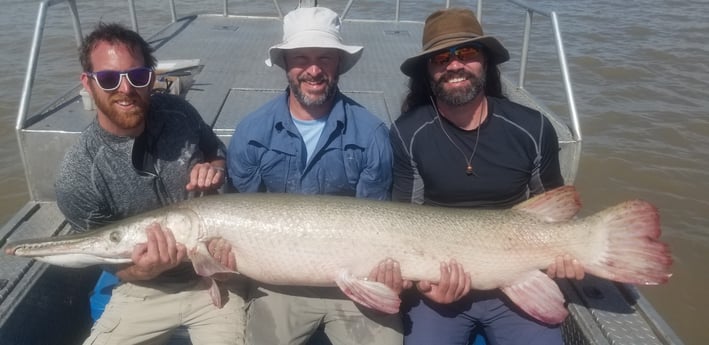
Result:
{"points": [[158, 255], [220, 250], [388, 273], [206, 176], [453, 285], [566, 267]]}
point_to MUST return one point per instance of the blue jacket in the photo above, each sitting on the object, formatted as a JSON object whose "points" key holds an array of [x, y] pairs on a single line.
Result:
{"points": [[353, 156]]}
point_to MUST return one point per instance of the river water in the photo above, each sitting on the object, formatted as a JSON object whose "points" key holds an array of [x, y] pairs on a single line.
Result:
{"points": [[640, 72]]}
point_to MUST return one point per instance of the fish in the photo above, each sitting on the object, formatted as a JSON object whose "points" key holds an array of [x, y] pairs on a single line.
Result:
{"points": [[317, 240]]}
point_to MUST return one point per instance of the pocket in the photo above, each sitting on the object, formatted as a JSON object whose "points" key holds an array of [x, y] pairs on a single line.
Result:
{"points": [[103, 327]]}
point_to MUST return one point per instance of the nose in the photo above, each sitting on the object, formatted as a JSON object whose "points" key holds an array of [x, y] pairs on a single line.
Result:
{"points": [[123, 84], [314, 69], [454, 63]]}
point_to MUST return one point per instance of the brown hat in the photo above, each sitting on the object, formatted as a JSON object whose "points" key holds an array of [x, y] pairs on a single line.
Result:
{"points": [[451, 27]]}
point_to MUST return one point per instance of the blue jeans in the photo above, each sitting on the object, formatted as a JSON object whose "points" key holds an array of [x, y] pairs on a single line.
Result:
{"points": [[427, 322]]}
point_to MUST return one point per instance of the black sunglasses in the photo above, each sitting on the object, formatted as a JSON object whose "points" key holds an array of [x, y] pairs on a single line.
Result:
{"points": [[110, 80]]}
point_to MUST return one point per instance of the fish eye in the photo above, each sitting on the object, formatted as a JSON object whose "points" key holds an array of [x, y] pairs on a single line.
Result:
{"points": [[115, 236]]}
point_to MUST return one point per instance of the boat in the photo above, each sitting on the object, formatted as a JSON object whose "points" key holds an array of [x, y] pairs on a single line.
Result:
{"points": [[214, 60]]}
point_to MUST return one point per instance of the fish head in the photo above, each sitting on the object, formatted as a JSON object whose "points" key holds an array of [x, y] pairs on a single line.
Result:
{"points": [[110, 244]]}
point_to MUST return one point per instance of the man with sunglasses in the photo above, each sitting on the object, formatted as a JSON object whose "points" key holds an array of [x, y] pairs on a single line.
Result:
{"points": [[461, 143], [143, 151]]}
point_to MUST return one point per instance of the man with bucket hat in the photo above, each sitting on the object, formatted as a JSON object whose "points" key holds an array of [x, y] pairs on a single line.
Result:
{"points": [[461, 143], [312, 139]]}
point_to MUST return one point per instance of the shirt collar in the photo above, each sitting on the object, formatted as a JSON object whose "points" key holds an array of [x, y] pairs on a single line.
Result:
{"points": [[335, 119]]}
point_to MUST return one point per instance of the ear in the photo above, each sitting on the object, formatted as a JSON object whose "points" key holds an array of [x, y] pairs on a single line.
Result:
{"points": [[153, 77], [86, 82]]}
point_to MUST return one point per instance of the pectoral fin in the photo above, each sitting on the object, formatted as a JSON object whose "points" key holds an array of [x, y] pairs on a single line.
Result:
{"points": [[539, 296], [204, 264], [373, 295], [215, 293]]}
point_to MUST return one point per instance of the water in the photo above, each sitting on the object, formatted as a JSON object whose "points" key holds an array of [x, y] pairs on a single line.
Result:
{"points": [[639, 69]]}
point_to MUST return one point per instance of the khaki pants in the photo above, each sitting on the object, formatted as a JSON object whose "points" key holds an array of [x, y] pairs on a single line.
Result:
{"points": [[290, 315], [148, 314]]}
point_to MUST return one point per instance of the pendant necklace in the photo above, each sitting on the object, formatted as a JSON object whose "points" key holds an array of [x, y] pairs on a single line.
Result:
{"points": [[469, 167]]}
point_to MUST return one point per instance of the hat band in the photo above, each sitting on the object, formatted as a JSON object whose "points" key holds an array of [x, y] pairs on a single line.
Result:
{"points": [[443, 40], [313, 37]]}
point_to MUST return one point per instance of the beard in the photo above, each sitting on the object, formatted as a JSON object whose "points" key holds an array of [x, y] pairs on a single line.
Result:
{"points": [[310, 99], [459, 95], [125, 119]]}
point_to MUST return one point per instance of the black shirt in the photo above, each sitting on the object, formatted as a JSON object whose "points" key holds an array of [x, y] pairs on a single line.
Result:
{"points": [[512, 142]]}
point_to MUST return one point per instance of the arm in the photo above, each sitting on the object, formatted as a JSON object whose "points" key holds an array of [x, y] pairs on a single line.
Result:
{"points": [[244, 164], [566, 267], [375, 179], [150, 259], [84, 207], [550, 168], [550, 173], [207, 176], [388, 272], [453, 285], [80, 201], [210, 174], [403, 171]]}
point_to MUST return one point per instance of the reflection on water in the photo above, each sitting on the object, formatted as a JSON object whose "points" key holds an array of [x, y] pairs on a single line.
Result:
{"points": [[640, 73]]}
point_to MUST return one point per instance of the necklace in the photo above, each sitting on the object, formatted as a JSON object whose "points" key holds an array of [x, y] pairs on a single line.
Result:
{"points": [[469, 167]]}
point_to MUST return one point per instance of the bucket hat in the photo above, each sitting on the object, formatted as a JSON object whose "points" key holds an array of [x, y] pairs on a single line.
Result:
{"points": [[451, 27], [313, 27]]}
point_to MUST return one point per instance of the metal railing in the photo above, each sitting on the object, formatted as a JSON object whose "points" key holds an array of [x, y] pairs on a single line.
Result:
{"points": [[45, 5], [530, 11], [566, 79], [28, 83], [34, 53]]}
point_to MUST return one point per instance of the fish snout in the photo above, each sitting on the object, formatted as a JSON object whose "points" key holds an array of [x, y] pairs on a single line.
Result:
{"points": [[10, 250]]}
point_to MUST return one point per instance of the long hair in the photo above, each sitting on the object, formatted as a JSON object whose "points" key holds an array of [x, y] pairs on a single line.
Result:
{"points": [[420, 84], [114, 33]]}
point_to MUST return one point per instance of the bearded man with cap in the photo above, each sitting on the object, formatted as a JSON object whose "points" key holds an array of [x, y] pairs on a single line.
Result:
{"points": [[461, 143], [312, 139]]}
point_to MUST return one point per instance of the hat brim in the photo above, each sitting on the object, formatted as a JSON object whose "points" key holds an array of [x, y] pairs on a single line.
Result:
{"points": [[350, 56], [496, 52]]}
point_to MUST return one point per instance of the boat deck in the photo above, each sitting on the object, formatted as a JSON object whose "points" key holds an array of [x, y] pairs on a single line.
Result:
{"points": [[231, 81]]}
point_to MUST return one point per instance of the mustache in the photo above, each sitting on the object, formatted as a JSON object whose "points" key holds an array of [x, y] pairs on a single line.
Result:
{"points": [[119, 97], [310, 79]]}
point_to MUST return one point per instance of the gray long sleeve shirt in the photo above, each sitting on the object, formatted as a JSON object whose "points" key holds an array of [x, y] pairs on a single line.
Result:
{"points": [[104, 178]]}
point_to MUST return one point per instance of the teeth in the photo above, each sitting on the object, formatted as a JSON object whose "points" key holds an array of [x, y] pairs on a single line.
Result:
{"points": [[456, 80]]}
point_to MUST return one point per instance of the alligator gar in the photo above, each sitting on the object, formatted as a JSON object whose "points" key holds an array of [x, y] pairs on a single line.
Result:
{"points": [[290, 239]]}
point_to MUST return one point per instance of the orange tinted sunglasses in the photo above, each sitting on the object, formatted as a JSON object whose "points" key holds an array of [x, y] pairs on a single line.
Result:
{"points": [[464, 53]]}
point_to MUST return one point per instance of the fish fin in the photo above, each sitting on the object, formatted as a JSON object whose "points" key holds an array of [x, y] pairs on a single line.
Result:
{"points": [[215, 293], [539, 296], [204, 264], [373, 295], [632, 252], [557, 205]]}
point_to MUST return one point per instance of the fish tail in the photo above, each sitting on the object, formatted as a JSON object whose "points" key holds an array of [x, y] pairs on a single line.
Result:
{"points": [[630, 248]]}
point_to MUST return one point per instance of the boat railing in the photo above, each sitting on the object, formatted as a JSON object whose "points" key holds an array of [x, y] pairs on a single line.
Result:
{"points": [[25, 97], [572, 141], [530, 12]]}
